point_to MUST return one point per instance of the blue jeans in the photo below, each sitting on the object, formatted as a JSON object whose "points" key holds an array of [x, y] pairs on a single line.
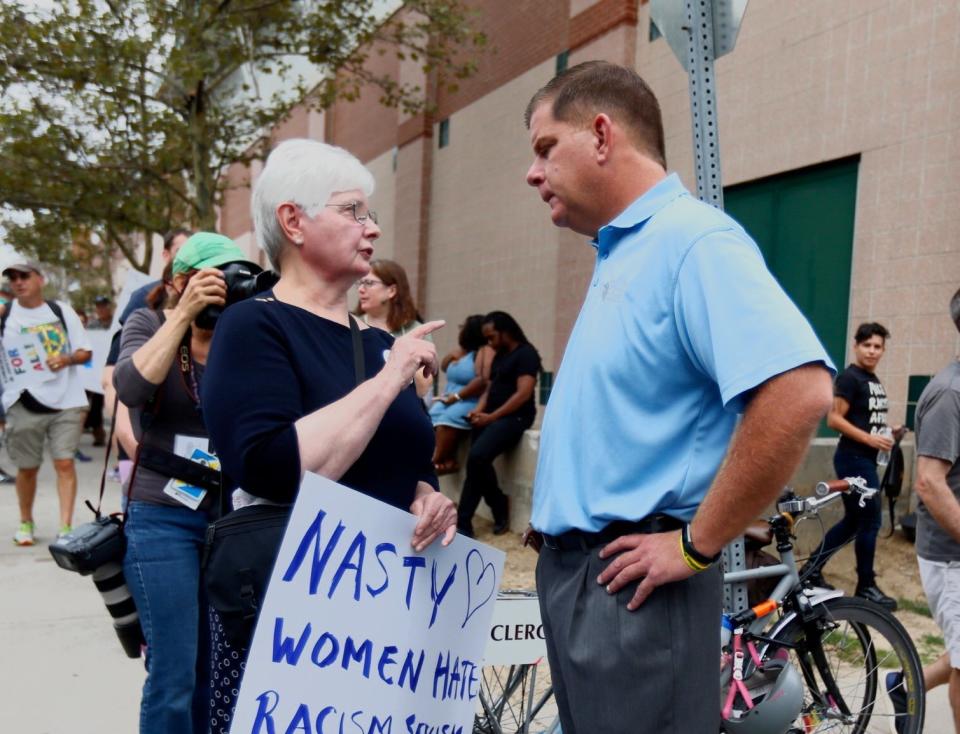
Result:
{"points": [[162, 569], [862, 522]]}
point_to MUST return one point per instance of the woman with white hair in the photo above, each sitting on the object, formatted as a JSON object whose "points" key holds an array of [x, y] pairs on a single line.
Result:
{"points": [[281, 396]]}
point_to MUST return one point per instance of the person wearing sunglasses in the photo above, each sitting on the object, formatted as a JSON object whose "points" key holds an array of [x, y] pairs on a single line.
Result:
{"points": [[281, 396], [49, 412]]}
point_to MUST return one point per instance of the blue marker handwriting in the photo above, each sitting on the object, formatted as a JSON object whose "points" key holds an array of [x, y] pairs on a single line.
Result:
{"points": [[341, 561]]}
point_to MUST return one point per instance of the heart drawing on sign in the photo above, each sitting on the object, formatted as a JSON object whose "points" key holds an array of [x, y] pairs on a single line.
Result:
{"points": [[472, 582]]}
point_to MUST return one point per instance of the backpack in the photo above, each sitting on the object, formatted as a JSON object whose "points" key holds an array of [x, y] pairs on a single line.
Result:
{"points": [[892, 482], [54, 306]]}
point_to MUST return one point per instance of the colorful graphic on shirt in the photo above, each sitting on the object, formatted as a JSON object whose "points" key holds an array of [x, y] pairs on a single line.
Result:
{"points": [[53, 336]]}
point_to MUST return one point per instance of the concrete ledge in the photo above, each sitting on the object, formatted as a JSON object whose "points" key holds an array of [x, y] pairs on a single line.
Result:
{"points": [[516, 471]]}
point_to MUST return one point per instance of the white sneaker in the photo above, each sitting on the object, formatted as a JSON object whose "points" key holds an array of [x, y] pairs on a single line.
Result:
{"points": [[24, 534]]}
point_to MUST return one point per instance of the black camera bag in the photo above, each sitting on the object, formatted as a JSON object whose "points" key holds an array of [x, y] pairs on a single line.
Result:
{"points": [[241, 548]]}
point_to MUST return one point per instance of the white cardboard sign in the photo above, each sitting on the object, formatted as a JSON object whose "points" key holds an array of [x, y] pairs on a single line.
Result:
{"points": [[359, 632], [516, 631], [24, 362], [92, 371]]}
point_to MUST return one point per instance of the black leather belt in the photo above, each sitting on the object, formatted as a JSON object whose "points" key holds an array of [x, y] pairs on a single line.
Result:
{"points": [[582, 540]]}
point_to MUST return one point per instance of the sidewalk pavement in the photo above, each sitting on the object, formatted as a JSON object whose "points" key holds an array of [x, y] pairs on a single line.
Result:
{"points": [[63, 671]]}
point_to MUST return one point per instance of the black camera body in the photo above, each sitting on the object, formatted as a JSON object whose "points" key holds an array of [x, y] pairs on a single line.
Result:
{"points": [[97, 548], [244, 279]]}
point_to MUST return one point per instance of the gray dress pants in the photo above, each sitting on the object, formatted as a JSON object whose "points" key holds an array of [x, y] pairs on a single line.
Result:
{"points": [[654, 670]]}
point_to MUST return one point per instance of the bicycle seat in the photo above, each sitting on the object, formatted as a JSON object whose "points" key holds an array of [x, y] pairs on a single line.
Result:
{"points": [[758, 534]]}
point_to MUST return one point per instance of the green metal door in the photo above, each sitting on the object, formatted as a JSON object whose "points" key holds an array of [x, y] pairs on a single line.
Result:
{"points": [[803, 222]]}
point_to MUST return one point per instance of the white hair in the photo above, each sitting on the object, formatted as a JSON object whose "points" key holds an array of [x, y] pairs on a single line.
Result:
{"points": [[304, 172]]}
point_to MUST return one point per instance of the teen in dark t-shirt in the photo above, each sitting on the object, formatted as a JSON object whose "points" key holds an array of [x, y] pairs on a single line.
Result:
{"points": [[867, 401], [859, 413], [503, 413]]}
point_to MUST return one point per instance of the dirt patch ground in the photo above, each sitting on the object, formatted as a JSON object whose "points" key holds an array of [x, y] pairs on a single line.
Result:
{"points": [[896, 565]]}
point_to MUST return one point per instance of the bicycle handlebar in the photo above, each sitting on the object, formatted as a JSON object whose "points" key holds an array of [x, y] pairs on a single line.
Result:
{"points": [[827, 491], [834, 485]]}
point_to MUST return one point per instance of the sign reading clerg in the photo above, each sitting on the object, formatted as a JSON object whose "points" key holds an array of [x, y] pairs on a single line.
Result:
{"points": [[360, 633]]}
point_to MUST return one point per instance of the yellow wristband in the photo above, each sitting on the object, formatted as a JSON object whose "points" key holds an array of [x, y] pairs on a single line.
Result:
{"points": [[691, 562]]}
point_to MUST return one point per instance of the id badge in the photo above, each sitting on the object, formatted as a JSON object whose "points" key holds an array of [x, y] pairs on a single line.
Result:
{"points": [[185, 493]]}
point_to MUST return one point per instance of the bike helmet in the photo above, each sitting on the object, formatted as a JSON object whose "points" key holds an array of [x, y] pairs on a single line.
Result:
{"points": [[777, 693]]}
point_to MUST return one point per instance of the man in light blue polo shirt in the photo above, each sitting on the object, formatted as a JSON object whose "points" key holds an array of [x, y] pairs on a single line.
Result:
{"points": [[637, 491]]}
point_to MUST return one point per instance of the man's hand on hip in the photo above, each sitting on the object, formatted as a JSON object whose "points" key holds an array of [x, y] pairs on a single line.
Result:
{"points": [[655, 558]]}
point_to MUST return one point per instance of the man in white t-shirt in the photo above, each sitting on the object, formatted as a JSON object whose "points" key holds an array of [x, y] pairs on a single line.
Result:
{"points": [[49, 410]]}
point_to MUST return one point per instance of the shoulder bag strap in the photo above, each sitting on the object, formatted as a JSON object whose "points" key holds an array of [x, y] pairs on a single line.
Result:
{"points": [[58, 312], [359, 369]]}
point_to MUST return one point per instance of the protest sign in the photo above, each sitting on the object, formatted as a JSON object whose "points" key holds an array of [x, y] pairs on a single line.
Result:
{"points": [[24, 362], [360, 633], [92, 372]]}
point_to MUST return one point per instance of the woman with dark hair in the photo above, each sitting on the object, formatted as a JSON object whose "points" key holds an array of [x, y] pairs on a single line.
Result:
{"points": [[505, 410], [859, 413], [385, 299], [161, 368], [386, 303], [468, 370]]}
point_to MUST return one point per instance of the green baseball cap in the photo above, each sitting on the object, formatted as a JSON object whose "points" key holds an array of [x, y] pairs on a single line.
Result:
{"points": [[206, 250]]}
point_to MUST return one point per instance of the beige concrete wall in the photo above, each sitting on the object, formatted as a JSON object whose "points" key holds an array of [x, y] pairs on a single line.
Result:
{"points": [[817, 81], [492, 245]]}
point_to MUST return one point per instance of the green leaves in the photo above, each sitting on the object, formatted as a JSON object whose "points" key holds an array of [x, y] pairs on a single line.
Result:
{"points": [[118, 118]]}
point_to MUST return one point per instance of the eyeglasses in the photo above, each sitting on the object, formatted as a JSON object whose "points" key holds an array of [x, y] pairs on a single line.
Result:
{"points": [[369, 283], [354, 207], [16, 275]]}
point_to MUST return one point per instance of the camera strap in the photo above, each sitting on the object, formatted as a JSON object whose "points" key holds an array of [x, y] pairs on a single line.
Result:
{"points": [[106, 461], [188, 372]]}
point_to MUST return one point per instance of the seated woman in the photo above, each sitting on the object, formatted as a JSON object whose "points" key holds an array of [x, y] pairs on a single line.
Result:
{"points": [[468, 371], [281, 398], [157, 377], [505, 410]]}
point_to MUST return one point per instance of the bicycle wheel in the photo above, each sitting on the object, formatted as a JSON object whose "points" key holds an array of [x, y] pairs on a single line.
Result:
{"points": [[516, 699], [846, 657]]}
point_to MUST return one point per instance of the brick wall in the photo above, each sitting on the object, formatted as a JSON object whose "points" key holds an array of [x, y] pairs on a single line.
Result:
{"points": [[820, 81], [365, 127], [520, 35], [235, 216]]}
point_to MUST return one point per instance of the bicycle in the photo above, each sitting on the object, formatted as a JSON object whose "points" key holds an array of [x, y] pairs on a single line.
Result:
{"points": [[803, 660]]}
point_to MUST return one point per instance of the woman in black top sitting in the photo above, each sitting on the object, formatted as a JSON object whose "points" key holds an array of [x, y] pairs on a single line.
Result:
{"points": [[281, 398], [505, 410]]}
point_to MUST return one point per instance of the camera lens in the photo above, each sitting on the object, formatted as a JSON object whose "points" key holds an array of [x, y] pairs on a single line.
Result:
{"points": [[113, 588]]}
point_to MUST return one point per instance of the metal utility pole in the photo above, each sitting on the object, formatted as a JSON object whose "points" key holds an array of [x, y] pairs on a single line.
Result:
{"points": [[699, 32]]}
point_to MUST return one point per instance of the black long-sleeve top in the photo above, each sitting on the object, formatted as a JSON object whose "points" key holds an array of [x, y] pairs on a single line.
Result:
{"points": [[272, 363]]}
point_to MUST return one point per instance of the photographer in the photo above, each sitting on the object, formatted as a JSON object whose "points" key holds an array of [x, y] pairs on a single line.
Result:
{"points": [[158, 377]]}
